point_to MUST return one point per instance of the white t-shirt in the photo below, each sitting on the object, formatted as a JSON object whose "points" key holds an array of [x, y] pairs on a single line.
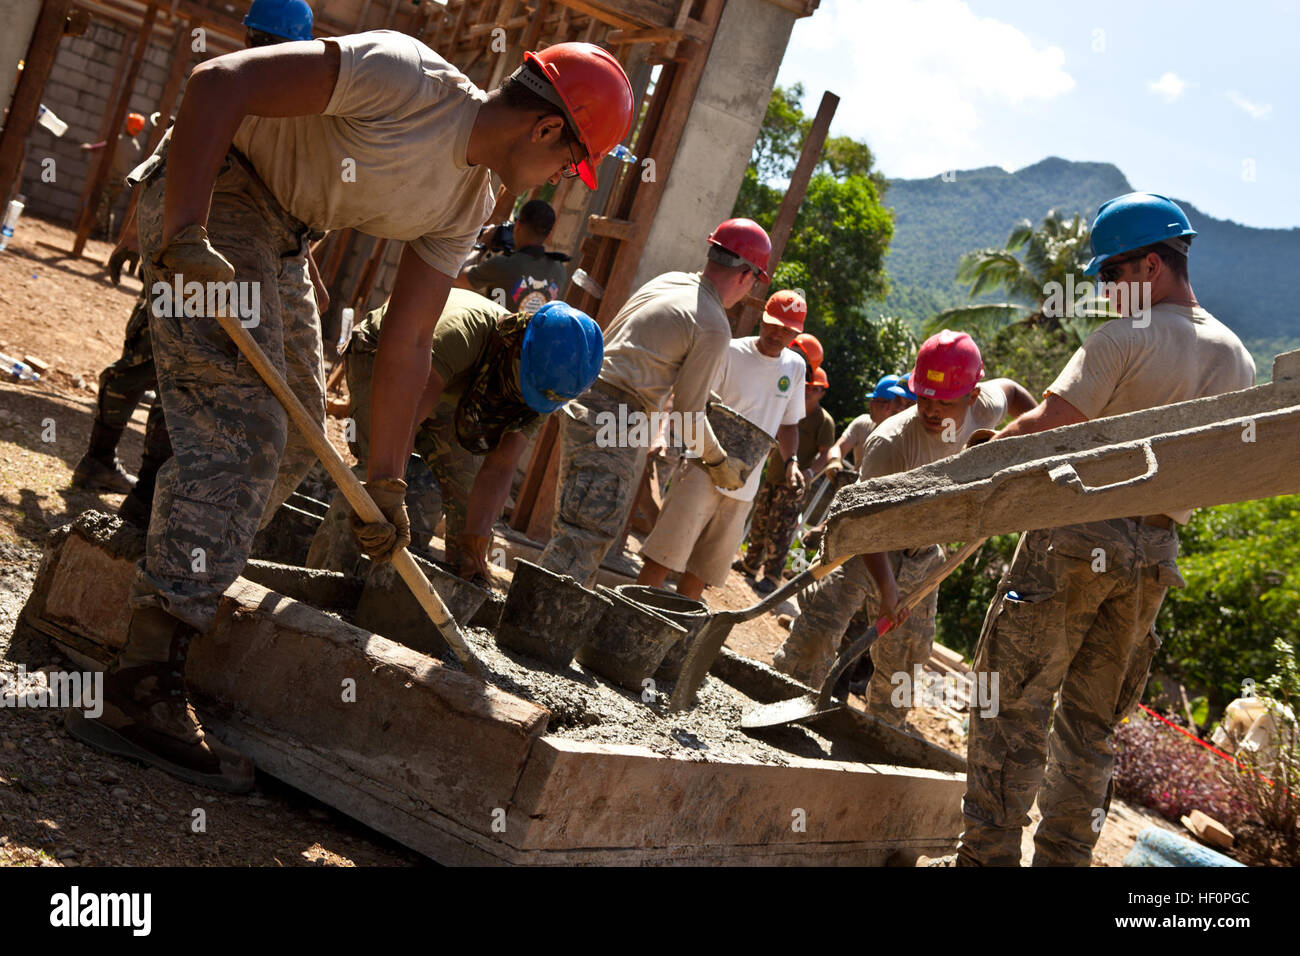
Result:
{"points": [[767, 391], [387, 156]]}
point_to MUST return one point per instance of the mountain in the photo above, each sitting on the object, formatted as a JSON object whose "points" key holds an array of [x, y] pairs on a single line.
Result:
{"points": [[1238, 272]]}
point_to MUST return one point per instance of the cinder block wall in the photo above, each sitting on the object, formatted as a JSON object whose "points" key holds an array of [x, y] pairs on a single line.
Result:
{"points": [[77, 92]]}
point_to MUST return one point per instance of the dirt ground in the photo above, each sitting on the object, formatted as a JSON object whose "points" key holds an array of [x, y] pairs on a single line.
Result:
{"points": [[63, 804]]}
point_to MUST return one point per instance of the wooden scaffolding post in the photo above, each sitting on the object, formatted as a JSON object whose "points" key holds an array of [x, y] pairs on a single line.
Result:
{"points": [[790, 203], [26, 102], [99, 175]]}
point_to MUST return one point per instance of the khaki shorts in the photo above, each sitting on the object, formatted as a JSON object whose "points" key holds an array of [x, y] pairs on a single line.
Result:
{"points": [[699, 528]]}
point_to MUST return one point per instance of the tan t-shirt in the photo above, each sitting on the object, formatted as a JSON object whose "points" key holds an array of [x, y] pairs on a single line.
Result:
{"points": [[670, 337], [901, 443], [855, 436], [387, 157], [1183, 353]]}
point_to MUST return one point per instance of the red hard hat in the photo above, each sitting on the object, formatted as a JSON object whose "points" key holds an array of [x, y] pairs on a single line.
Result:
{"points": [[134, 123], [746, 239], [596, 94], [818, 377], [807, 344], [948, 365], [786, 308]]}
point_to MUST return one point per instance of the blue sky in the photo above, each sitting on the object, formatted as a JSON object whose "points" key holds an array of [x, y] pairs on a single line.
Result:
{"points": [[1197, 100]]}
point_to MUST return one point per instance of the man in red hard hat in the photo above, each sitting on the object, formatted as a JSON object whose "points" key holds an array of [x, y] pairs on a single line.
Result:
{"points": [[701, 525], [372, 131], [1073, 618], [951, 405], [669, 339]]}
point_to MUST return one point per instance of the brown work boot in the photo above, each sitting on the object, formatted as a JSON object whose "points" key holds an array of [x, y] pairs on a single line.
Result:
{"points": [[99, 469], [146, 716]]}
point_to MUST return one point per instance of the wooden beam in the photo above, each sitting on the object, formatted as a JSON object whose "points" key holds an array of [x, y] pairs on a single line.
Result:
{"points": [[118, 102], [619, 229], [628, 14], [790, 203], [26, 101]]}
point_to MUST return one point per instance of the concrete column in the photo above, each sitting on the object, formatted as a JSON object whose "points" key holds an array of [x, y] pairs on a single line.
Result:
{"points": [[720, 134]]}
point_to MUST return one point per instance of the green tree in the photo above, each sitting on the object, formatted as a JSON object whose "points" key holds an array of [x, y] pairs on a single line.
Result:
{"points": [[836, 250], [1033, 262]]}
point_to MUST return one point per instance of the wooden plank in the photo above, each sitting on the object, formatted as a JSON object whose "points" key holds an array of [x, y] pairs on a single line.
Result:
{"points": [[619, 229], [628, 14], [526, 500], [25, 103], [95, 185], [809, 156], [574, 795]]}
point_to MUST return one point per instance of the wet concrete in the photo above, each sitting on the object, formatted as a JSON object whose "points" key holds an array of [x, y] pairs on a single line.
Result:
{"points": [[331, 590]]}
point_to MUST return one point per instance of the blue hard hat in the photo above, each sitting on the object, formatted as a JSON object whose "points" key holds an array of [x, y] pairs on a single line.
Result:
{"points": [[290, 19], [1132, 221], [891, 387], [561, 356]]}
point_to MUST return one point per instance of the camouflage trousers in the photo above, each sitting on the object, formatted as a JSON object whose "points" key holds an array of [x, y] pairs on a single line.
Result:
{"points": [[596, 485], [123, 384], [236, 458], [829, 605], [1072, 619], [776, 514], [444, 493]]}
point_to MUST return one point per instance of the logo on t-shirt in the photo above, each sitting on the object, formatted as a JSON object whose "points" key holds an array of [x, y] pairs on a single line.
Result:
{"points": [[531, 294], [783, 383]]}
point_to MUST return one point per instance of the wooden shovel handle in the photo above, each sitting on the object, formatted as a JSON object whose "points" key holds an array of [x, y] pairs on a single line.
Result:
{"points": [[353, 491]]}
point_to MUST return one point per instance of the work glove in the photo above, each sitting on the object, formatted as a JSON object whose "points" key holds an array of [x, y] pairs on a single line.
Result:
{"points": [[835, 466], [812, 538], [725, 474], [381, 539], [191, 256], [978, 437], [473, 565], [119, 258]]}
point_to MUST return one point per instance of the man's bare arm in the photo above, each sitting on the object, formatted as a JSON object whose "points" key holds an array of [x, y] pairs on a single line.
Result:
{"points": [[1019, 399], [402, 364], [288, 79], [1054, 412]]}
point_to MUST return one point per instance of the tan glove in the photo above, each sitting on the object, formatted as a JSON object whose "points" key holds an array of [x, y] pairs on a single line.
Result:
{"points": [[382, 538], [833, 468], [725, 474], [191, 256], [978, 437], [473, 556]]}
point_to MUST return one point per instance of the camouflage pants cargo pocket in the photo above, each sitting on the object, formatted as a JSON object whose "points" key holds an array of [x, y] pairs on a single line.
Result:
{"points": [[591, 501]]}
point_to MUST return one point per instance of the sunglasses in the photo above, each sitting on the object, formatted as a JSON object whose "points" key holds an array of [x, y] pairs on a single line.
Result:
{"points": [[1113, 269]]}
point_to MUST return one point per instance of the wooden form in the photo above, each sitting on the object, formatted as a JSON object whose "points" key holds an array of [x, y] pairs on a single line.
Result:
{"points": [[466, 773], [790, 203]]}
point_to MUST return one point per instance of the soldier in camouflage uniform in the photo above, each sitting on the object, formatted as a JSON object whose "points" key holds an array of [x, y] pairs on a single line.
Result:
{"points": [[1073, 618], [951, 408]]}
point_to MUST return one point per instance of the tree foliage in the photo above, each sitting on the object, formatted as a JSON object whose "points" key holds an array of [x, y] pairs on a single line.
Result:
{"points": [[836, 250]]}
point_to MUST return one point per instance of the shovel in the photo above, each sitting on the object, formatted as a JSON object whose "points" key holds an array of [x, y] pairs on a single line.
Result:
{"points": [[714, 634], [353, 491], [816, 704]]}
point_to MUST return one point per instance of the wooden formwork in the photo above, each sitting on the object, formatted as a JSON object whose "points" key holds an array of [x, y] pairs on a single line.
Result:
{"points": [[466, 773]]}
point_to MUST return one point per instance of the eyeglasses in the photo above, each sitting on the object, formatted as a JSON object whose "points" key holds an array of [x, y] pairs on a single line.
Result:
{"points": [[571, 170], [1112, 269]]}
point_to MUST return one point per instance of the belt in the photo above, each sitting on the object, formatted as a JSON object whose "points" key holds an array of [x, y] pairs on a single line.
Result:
{"points": [[629, 398], [1156, 521]]}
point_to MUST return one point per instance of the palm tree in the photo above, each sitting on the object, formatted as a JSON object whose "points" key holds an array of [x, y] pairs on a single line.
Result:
{"points": [[1047, 255]]}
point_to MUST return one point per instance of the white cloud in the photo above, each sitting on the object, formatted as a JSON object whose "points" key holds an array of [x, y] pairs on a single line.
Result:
{"points": [[915, 76], [1253, 110], [1170, 86]]}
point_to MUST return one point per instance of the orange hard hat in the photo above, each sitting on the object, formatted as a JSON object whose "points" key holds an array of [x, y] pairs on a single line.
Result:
{"points": [[819, 378], [595, 93], [806, 344], [134, 123], [786, 308], [746, 240], [948, 365]]}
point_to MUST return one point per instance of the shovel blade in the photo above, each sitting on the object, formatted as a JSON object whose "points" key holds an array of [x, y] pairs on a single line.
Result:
{"points": [[782, 712]]}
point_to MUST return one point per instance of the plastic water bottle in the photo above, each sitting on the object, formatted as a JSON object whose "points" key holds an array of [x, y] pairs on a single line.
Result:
{"points": [[51, 122], [19, 370], [623, 153], [345, 328], [14, 210]]}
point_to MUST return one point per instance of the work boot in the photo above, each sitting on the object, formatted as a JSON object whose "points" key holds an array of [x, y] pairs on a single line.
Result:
{"points": [[740, 565], [765, 586], [134, 511], [119, 258], [146, 716], [99, 469]]}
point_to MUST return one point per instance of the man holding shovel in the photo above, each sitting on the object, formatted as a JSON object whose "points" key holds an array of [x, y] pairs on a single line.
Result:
{"points": [[951, 406], [373, 131], [1074, 614]]}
